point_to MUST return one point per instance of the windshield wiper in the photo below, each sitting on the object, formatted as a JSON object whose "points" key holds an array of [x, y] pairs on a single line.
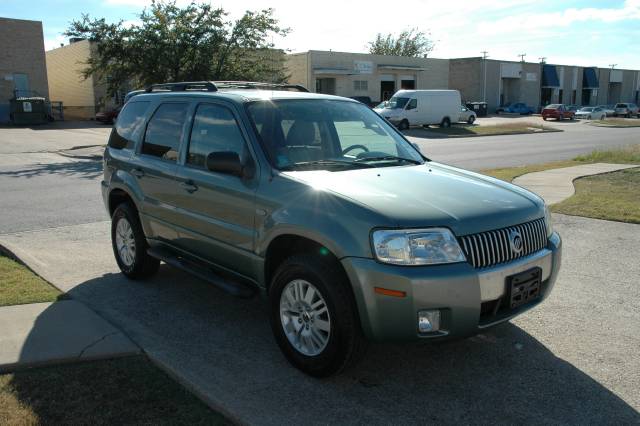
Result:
{"points": [[387, 157], [325, 162]]}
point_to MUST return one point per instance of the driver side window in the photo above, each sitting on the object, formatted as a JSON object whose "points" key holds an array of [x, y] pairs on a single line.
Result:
{"points": [[413, 104]]}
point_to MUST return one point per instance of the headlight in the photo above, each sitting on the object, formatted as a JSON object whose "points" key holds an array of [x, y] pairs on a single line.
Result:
{"points": [[417, 246], [547, 221]]}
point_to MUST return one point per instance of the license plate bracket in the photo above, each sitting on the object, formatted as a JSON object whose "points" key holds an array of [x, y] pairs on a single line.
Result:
{"points": [[524, 287]]}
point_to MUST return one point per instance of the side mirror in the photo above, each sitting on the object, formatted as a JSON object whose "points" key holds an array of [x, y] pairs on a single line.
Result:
{"points": [[229, 163]]}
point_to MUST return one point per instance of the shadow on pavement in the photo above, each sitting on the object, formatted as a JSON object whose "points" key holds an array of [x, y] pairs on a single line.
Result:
{"points": [[56, 125], [224, 348], [81, 169]]}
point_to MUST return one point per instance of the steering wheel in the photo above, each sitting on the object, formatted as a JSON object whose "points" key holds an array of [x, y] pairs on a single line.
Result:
{"points": [[352, 147]]}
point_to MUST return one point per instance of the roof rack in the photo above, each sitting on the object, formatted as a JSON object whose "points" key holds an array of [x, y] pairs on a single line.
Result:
{"points": [[183, 86], [214, 86], [259, 85]]}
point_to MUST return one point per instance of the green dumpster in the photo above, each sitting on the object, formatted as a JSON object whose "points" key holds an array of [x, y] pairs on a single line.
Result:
{"points": [[28, 110]]}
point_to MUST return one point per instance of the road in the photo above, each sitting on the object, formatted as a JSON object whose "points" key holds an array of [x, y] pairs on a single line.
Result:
{"points": [[45, 181]]}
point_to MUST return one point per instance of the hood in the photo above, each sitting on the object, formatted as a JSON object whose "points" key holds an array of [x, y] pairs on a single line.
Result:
{"points": [[430, 195]]}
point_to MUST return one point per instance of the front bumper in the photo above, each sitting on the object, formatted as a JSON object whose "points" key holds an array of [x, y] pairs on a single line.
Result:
{"points": [[464, 295]]}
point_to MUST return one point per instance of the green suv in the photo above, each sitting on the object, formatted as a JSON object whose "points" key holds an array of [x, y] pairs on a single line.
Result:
{"points": [[323, 207]]}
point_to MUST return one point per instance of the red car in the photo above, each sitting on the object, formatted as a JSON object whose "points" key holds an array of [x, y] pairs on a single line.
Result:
{"points": [[108, 117], [557, 111]]}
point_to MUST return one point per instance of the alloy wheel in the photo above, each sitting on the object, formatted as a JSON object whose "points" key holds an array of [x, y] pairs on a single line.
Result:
{"points": [[304, 316], [125, 242]]}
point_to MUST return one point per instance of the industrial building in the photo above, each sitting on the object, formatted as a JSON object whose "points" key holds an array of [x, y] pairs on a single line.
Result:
{"points": [[359, 74], [81, 97], [22, 62], [486, 80]]}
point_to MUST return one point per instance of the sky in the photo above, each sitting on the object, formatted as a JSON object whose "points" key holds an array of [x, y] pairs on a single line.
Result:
{"points": [[588, 33]]}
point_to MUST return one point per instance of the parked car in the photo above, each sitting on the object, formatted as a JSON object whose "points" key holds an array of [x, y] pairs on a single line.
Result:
{"points": [[626, 110], [591, 113], [557, 111], [517, 108], [108, 117], [325, 208], [364, 99], [467, 115], [422, 108], [609, 110], [502, 108]]}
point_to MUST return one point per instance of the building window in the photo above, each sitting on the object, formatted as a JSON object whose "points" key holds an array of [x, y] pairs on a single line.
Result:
{"points": [[360, 85]]}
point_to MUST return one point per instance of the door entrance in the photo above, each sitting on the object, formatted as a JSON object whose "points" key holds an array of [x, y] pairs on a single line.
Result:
{"points": [[326, 86], [408, 84], [387, 89]]}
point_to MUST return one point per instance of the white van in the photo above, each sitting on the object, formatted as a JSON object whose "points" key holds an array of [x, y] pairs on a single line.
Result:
{"points": [[422, 107]]}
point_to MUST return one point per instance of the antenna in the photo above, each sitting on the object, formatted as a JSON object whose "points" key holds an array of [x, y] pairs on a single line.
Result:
{"points": [[522, 55]]}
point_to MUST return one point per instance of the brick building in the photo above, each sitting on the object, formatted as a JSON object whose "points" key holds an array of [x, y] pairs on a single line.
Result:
{"points": [[22, 62]]}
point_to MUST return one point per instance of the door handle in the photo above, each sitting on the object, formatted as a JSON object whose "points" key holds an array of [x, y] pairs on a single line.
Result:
{"points": [[137, 173], [189, 186]]}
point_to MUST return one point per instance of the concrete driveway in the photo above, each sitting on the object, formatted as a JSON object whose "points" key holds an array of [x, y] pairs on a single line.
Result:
{"points": [[572, 360]]}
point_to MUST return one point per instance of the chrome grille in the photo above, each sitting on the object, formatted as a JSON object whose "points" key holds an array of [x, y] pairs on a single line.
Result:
{"points": [[493, 247]]}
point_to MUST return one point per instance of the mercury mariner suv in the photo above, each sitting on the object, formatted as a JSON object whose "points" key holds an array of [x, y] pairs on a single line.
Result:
{"points": [[323, 207]]}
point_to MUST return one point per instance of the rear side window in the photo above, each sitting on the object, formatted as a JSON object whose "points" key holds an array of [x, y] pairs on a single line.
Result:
{"points": [[164, 131], [128, 125], [214, 130]]}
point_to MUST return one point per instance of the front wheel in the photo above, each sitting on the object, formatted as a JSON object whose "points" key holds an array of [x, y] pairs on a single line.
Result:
{"points": [[313, 315], [130, 244], [471, 119], [446, 123], [403, 125]]}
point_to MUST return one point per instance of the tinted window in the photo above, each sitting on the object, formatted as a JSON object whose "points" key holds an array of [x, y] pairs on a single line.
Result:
{"points": [[214, 130], [164, 130], [128, 125], [413, 104]]}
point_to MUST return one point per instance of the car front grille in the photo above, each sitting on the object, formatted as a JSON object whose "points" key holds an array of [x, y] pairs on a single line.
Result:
{"points": [[494, 247]]}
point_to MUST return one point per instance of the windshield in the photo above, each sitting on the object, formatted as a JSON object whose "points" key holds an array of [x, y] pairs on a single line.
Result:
{"points": [[553, 106], [303, 134], [397, 103], [587, 109]]}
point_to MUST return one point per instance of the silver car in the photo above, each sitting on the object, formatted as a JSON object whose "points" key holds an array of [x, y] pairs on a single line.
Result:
{"points": [[626, 110], [591, 113], [609, 110], [467, 115]]}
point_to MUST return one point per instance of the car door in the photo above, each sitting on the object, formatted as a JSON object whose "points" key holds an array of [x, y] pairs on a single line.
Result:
{"points": [[412, 112], [218, 209], [154, 168]]}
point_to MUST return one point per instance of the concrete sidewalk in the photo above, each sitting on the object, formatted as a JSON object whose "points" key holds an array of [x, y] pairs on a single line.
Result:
{"points": [[557, 184], [64, 331]]}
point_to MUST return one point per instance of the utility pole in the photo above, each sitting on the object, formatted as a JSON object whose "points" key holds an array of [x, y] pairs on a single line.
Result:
{"points": [[485, 55], [613, 65], [543, 59], [522, 55]]}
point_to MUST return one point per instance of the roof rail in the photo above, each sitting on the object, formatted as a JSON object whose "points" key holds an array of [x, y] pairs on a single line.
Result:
{"points": [[225, 84], [183, 86]]}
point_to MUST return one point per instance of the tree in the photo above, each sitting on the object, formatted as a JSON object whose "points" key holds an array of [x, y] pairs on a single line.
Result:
{"points": [[412, 43], [170, 43]]}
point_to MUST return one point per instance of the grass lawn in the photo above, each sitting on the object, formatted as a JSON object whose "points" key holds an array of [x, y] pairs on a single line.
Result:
{"points": [[627, 155], [616, 122], [497, 129], [120, 391], [18, 285], [610, 196]]}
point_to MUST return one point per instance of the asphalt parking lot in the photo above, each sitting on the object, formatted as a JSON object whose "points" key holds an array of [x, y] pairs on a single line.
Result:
{"points": [[572, 360]]}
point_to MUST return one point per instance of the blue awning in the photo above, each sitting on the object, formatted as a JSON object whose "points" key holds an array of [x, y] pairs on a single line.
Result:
{"points": [[589, 78], [550, 76]]}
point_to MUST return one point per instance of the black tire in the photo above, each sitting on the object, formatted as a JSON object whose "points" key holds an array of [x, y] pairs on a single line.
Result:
{"points": [[544, 118], [560, 117], [346, 343], [471, 119], [403, 125], [445, 123], [143, 265]]}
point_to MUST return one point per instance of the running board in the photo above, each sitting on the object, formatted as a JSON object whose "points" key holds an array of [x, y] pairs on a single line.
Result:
{"points": [[203, 272]]}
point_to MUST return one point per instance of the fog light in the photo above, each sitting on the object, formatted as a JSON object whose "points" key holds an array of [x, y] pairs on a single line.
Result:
{"points": [[428, 321]]}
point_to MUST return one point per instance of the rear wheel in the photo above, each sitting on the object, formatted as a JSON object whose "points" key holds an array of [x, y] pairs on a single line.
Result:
{"points": [[403, 125], [446, 122], [313, 315], [130, 244]]}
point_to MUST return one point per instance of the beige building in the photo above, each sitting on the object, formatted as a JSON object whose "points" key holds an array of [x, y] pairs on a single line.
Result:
{"points": [[81, 98], [363, 75], [22, 62]]}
